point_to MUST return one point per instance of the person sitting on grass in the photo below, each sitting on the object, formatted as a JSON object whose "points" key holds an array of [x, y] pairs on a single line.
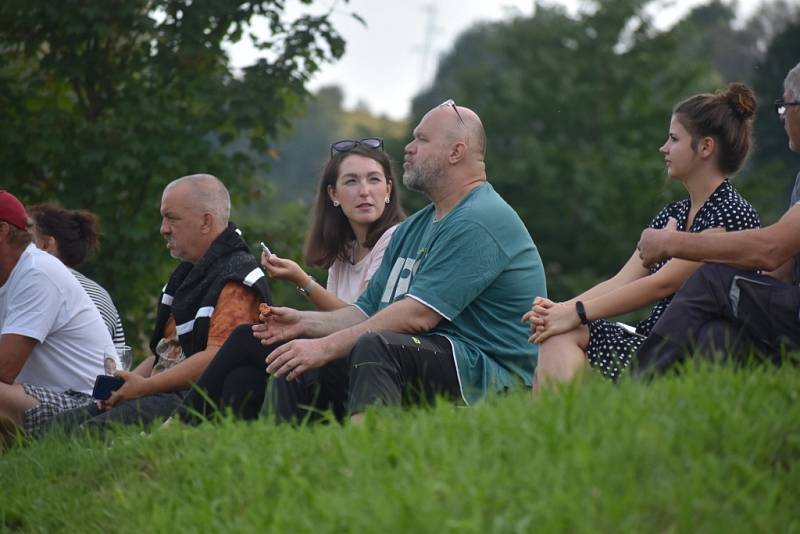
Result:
{"points": [[72, 236], [52, 339], [355, 214], [730, 307], [440, 316], [217, 285], [709, 138]]}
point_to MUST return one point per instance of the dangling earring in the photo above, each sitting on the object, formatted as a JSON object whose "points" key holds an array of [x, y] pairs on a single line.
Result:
{"points": [[335, 203], [387, 200]]}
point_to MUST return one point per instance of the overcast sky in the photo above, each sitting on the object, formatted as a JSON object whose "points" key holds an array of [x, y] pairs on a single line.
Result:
{"points": [[387, 62]]}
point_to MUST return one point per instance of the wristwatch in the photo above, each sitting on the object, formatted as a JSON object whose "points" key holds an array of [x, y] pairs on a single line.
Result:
{"points": [[307, 288], [581, 312]]}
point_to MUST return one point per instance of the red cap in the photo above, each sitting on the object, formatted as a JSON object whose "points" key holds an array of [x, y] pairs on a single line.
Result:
{"points": [[12, 211]]}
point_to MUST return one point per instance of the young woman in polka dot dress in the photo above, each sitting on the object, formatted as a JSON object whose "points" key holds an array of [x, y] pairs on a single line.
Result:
{"points": [[709, 139]]}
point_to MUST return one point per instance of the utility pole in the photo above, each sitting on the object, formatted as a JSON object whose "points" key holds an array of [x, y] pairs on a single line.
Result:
{"points": [[427, 46]]}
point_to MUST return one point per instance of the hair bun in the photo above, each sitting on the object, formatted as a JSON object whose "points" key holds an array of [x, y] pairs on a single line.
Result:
{"points": [[741, 99], [87, 224]]}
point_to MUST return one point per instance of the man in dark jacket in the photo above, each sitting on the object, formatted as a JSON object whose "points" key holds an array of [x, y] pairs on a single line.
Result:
{"points": [[217, 286]]}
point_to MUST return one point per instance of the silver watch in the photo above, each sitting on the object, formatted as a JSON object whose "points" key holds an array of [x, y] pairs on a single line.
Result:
{"points": [[307, 289]]}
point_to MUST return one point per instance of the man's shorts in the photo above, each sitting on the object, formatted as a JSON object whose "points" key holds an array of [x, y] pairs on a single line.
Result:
{"points": [[50, 403]]}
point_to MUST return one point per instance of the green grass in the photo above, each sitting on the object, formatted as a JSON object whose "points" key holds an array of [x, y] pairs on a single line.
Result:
{"points": [[713, 450]]}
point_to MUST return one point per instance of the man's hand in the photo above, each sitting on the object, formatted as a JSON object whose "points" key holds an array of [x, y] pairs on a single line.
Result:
{"points": [[283, 324], [653, 243], [294, 358], [135, 387]]}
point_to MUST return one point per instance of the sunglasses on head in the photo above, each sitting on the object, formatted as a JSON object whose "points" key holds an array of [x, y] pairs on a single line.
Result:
{"points": [[346, 145], [450, 103]]}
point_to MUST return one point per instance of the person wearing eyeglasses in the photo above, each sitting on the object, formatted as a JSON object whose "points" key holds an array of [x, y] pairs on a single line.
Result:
{"points": [[356, 210], [439, 317], [708, 140], [725, 306]]}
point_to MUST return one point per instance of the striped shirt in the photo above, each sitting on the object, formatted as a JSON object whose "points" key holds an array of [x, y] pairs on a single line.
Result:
{"points": [[105, 306]]}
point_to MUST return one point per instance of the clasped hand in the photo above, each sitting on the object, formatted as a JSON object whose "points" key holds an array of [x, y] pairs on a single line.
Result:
{"points": [[548, 318], [652, 244], [295, 357], [135, 387]]}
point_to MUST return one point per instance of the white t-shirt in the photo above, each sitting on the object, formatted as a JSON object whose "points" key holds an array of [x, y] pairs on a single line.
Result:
{"points": [[348, 280], [42, 300]]}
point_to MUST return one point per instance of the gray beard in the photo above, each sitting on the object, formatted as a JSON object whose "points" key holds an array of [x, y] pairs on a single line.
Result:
{"points": [[420, 179]]}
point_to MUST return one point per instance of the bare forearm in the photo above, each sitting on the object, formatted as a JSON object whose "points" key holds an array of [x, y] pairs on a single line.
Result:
{"points": [[624, 299], [642, 291], [145, 368], [324, 300], [406, 316], [14, 352], [630, 272], [182, 375], [599, 290], [784, 273], [8, 370], [320, 324], [747, 249], [285, 269]]}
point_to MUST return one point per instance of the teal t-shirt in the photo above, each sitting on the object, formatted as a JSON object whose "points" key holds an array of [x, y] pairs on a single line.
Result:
{"points": [[479, 269]]}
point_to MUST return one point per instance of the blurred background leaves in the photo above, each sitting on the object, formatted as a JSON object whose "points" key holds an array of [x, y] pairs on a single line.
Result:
{"points": [[103, 103]]}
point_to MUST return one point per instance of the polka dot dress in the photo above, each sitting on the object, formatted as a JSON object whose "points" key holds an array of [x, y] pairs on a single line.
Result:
{"points": [[610, 347]]}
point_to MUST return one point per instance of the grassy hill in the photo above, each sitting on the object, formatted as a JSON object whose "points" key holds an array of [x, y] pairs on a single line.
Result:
{"points": [[713, 450]]}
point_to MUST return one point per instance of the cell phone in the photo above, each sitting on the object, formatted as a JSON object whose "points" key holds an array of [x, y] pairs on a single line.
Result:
{"points": [[266, 249], [104, 385]]}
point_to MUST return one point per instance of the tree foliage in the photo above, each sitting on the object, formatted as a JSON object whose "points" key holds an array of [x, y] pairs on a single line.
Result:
{"points": [[576, 107], [759, 52], [773, 166], [104, 102], [297, 161], [575, 110]]}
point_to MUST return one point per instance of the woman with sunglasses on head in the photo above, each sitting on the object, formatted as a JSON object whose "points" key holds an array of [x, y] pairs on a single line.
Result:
{"points": [[355, 213], [356, 210], [709, 138], [72, 236]]}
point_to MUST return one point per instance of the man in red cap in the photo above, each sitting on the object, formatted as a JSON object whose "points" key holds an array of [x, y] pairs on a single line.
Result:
{"points": [[52, 338]]}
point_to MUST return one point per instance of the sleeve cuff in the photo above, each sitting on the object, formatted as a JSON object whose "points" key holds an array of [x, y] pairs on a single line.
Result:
{"points": [[431, 306]]}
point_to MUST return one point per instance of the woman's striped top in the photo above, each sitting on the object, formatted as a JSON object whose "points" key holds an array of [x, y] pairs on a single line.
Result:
{"points": [[105, 305]]}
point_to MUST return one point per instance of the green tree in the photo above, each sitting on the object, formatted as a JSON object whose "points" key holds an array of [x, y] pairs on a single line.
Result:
{"points": [[735, 51], [759, 53], [773, 166], [104, 102], [296, 162], [575, 110]]}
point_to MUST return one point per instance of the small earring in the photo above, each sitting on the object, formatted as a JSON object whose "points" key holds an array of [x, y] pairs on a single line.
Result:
{"points": [[387, 200], [335, 203]]}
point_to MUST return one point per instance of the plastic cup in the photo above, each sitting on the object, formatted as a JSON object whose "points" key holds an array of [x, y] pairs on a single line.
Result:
{"points": [[125, 354]]}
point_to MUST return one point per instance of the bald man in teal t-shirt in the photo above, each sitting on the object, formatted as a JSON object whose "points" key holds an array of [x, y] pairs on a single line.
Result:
{"points": [[479, 270], [442, 315]]}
